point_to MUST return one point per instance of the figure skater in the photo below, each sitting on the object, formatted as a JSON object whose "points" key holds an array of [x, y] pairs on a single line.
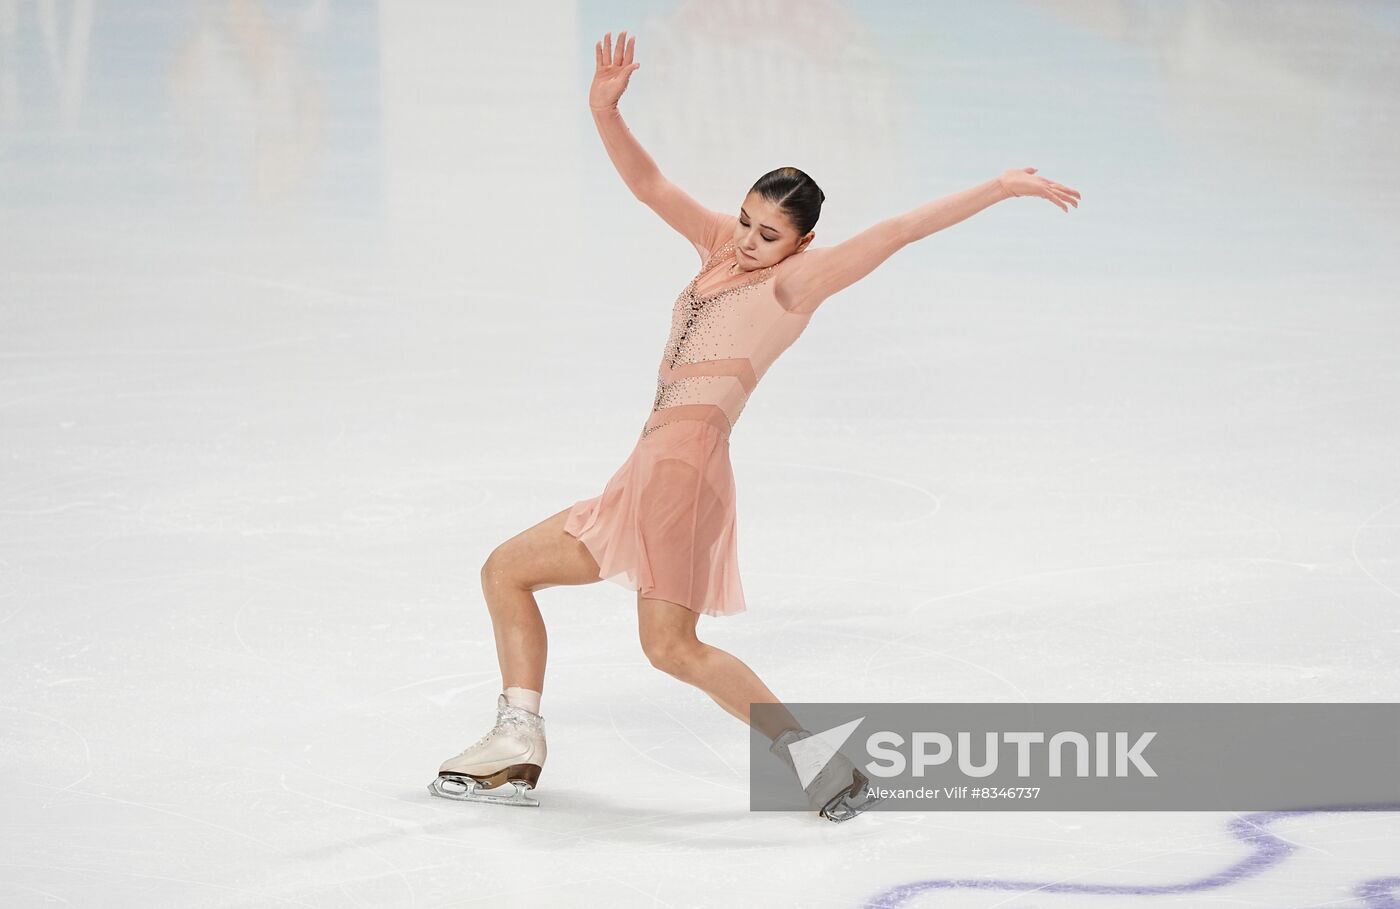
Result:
{"points": [[664, 524]]}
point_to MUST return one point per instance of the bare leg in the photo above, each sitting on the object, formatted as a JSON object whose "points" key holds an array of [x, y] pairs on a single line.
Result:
{"points": [[669, 641], [534, 559]]}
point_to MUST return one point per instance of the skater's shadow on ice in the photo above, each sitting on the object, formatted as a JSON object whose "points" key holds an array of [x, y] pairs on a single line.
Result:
{"points": [[579, 819], [590, 817]]}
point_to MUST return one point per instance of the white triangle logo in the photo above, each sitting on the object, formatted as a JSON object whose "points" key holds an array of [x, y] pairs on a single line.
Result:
{"points": [[811, 754]]}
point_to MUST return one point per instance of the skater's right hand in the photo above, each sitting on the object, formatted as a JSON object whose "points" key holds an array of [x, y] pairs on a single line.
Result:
{"points": [[614, 69]]}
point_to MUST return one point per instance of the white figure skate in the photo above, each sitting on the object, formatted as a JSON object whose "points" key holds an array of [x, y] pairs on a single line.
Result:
{"points": [[838, 791], [511, 753]]}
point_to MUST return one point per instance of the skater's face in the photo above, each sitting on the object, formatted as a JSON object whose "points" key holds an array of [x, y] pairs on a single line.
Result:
{"points": [[764, 236]]}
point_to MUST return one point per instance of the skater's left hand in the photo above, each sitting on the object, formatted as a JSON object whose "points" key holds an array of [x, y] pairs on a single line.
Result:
{"points": [[1019, 181]]}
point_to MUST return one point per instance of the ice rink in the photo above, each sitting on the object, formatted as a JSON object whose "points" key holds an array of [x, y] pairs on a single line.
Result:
{"points": [[305, 307]]}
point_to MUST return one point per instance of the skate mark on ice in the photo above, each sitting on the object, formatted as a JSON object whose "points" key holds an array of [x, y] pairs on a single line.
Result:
{"points": [[87, 749], [612, 720], [393, 821], [887, 641], [1356, 557], [1270, 850]]}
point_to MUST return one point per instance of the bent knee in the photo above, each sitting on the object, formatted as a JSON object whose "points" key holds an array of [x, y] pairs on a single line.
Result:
{"points": [[500, 569], [672, 655]]}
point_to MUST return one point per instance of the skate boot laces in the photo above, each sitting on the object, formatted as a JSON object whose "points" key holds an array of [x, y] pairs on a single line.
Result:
{"points": [[509, 718]]}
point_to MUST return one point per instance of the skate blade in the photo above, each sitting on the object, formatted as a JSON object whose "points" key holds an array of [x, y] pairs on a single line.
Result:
{"points": [[466, 789], [851, 802]]}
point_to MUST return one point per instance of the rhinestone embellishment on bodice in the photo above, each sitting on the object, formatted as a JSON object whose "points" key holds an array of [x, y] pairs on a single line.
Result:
{"points": [[704, 311], [713, 335]]}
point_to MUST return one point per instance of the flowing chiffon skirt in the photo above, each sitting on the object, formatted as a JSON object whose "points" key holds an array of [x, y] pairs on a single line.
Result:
{"points": [[664, 525]]}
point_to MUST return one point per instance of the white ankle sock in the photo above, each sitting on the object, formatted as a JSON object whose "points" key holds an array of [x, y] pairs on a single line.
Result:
{"points": [[527, 698]]}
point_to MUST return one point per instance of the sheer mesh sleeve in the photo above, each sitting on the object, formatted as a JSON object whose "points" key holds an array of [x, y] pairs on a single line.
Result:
{"points": [[820, 272], [704, 228]]}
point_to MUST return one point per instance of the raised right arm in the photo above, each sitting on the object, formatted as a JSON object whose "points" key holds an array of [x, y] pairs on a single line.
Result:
{"points": [[704, 228]]}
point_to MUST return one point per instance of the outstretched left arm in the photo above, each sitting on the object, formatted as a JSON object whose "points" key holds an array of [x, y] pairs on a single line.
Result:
{"points": [[821, 272]]}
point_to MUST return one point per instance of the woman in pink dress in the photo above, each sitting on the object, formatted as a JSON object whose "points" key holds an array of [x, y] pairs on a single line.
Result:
{"points": [[664, 523]]}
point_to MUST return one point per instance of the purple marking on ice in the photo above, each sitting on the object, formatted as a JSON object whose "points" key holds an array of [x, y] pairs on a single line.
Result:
{"points": [[1269, 851], [1380, 893]]}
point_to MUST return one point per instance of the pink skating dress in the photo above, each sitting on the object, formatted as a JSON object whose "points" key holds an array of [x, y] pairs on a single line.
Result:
{"points": [[665, 523]]}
